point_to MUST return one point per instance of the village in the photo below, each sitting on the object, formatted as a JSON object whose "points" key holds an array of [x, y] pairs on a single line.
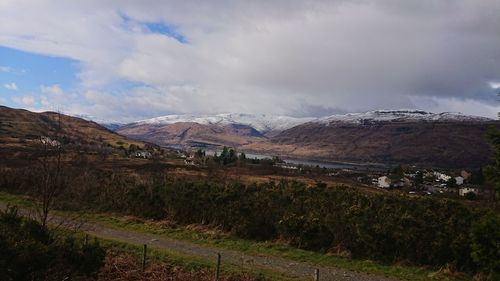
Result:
{"points": [[466, 184]]}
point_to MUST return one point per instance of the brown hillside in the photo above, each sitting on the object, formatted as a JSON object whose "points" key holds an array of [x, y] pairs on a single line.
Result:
{"points": [[18, 127], [192, 134], [450, 144]]}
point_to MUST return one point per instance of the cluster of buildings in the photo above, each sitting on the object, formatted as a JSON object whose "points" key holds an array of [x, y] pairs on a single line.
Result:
{"points": [[189, 158], [288, 166], [429, 182], [143, 154], [48, 141]]}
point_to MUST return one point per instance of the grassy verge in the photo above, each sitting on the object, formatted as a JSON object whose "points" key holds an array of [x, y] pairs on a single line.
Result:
{"points": [[255, 248]]}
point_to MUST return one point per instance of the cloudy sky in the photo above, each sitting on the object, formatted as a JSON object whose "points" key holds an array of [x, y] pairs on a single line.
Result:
{"points": [[125, 60]]}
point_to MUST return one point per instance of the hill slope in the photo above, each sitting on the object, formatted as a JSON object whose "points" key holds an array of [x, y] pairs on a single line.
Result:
{"points": [[445, 139], [18, 127], [209, 130], [382, 136], [265, 124], [190, 134]]}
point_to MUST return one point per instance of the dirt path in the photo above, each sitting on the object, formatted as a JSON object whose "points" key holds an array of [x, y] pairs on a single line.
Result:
{"points": [[304, 271]]}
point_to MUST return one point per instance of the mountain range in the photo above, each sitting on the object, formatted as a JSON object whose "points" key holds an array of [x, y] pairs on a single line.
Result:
{"points": [[385, 136], [265, 124]]}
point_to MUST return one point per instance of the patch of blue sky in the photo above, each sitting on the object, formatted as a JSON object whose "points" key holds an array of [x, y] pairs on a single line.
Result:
{"points": [[29, 71], [163, 28], [166, 29]]}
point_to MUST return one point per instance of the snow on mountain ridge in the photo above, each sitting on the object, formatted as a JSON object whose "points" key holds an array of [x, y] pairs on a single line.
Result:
{"points": [[267, 123], [262, 123], [400, 115]]}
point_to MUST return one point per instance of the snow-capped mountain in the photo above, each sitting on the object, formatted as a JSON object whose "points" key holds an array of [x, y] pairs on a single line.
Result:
{"points": [[383, 136], [400, 116], [390, 136], [261, 122]]}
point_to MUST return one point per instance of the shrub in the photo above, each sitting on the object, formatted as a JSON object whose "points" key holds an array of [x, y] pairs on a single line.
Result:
{"points": [[29, 251], [485, 246]]}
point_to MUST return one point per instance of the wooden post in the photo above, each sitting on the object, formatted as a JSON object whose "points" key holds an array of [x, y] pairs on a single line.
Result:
{"points": [[217, 269], [316, 274], [86, 239], [144, 253]]}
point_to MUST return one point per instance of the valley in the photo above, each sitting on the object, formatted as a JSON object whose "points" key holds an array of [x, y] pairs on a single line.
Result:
{"points": [[250, 140], [271, 210], [447, 140]]}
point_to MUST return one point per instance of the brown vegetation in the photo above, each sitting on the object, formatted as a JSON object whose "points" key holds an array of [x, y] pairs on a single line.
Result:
{"points": [[20, 128], [125, 267], [449, 144]]}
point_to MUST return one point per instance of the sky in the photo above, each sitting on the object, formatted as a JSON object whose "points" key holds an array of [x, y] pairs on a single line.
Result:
{"points": [[126, 60]]}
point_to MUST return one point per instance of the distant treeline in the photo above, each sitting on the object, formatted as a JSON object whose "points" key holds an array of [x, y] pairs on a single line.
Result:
{"points": [[341, 220]]}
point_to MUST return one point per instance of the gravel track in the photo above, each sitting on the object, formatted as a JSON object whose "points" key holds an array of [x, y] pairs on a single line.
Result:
{"points": [[302, 270]]}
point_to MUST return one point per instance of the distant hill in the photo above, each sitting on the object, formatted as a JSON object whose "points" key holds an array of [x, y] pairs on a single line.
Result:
{"points": [[265, 124], [381, 136], [19, 127], [190, 134], [209, 130], [385, 136]]}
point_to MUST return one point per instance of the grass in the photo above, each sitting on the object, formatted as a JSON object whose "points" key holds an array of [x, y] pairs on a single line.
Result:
{"points": [[223, 241]]}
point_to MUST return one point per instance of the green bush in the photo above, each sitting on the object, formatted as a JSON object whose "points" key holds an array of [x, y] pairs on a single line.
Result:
{"points": [[485, 236], [29, 252]]}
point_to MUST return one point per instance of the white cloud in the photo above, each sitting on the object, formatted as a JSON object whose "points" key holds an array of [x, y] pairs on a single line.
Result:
{"points": [[283, 57], [5, 68], [54, 98], [54, 90], [495, 85], [8, 69], [25, 100], [11, 86]]}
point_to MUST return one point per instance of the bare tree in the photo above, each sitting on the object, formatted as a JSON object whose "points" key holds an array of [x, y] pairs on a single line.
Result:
{"points": [[50, 178]]}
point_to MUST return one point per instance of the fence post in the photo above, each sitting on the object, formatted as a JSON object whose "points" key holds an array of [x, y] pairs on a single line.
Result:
{"points": [[217, 269], [86, 239], [144, 253], [316, 274]]}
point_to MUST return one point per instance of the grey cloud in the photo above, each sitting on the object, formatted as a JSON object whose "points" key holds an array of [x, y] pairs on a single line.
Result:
{"points": [[284, 57]]}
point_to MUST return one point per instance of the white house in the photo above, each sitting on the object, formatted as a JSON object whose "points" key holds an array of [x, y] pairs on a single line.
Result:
{"points": [[464, 190], [459, 180], [143, 154], [286, 166], [384, 182], [441, 177], [48, 141]]}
